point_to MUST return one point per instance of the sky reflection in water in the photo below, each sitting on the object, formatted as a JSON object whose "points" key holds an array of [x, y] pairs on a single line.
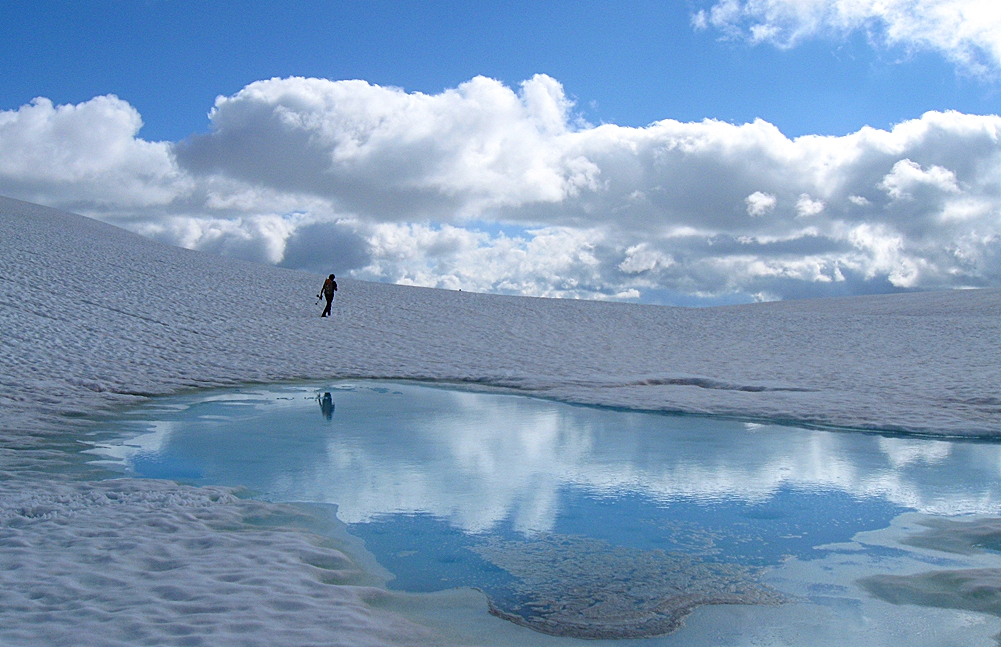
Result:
{"points": [[454, 488]]}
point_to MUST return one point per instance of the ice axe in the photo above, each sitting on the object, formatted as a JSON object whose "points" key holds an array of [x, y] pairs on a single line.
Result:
{"points": [[318, 297]]}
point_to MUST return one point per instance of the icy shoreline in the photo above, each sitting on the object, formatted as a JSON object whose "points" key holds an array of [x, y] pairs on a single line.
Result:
{"points": [[94, 318]]}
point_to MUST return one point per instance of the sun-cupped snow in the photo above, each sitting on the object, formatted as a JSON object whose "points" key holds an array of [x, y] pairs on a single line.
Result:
{"points": [[136, 562], [94, 317]]}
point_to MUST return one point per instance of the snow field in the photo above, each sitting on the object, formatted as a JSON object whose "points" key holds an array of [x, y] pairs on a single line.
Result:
{"points": [[93, 318], [129, 562]]}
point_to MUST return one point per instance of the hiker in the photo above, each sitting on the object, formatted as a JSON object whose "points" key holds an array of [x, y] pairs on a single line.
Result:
{"points": [[329, 287]]}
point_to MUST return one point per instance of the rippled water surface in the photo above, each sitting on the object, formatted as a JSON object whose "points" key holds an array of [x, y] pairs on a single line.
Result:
{"points": [[578, 522]]}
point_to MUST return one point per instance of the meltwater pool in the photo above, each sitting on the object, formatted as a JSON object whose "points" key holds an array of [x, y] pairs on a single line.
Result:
{"points": [[587, 523]]}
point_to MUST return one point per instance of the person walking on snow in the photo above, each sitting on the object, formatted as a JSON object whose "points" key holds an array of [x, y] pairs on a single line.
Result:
{"points": [[329, 287]]}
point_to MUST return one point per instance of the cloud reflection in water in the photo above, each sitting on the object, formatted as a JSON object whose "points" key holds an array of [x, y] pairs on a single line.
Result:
{"points": [[477, 459]]}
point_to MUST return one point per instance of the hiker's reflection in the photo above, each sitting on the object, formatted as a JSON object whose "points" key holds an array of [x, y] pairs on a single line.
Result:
{"points": [[326, 405]]}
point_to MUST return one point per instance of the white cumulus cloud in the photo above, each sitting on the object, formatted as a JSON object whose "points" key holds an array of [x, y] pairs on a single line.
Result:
{"points": [[382, 151], [252, 238], [807, 206], [641, 258], [548, 262], [492, 188], [759, 203], [905, 176], [85, 154], [967, 32]]}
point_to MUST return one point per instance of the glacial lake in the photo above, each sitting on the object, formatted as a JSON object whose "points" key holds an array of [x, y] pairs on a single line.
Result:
{"points": [[586, 523]]}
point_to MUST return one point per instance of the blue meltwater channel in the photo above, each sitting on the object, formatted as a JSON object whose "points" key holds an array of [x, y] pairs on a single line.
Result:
{"points": [[583, 522]]}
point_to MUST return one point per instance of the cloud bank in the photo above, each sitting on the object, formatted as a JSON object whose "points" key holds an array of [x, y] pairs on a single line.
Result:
{"points": [[490, 188], [967, 32]]}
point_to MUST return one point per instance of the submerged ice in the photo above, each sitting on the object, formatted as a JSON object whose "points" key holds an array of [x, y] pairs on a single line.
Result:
{"points": [[573, 521], [585, 588]]}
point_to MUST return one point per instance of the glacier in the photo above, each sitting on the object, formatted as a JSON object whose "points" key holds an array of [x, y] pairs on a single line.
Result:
{"points": [[95, 318]]}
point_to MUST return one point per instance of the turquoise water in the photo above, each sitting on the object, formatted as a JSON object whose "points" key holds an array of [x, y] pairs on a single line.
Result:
{"points": [[573, 521]]}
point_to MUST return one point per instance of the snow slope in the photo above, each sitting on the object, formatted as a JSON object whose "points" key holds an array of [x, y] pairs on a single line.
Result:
{"points": [[93, 317]]}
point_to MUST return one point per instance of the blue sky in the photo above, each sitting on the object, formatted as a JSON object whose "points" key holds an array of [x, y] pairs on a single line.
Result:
{"points": [[511, 183], [629, 63]]}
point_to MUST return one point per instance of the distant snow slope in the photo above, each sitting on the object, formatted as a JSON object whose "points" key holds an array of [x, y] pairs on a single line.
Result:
{"points": [[93, 317]]}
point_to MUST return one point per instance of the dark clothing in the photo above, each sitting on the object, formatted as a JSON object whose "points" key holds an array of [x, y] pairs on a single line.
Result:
{"points": [[329, 287]]}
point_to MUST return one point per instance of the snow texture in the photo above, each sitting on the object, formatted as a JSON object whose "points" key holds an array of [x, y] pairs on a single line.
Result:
{"points": [[94, 318], [131, 562]]}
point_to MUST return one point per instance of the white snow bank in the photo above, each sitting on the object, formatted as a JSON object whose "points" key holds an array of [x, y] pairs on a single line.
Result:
{"points": [[150, 563], [93, 316]]}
